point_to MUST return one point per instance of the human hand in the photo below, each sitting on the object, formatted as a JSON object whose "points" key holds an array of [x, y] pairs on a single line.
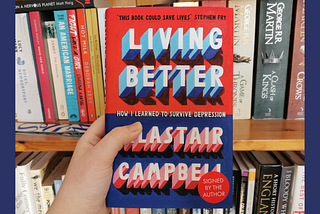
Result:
{"points": [[89, 174]]}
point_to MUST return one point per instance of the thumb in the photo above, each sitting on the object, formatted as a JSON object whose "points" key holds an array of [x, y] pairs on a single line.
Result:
{"points": [[108, 147]]}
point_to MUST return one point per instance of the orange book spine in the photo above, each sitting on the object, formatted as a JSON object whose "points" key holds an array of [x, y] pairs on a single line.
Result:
{"points": [[84, 47]]}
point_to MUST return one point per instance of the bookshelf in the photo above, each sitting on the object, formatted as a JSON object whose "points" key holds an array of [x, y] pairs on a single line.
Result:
{"points": [[248, 135]]}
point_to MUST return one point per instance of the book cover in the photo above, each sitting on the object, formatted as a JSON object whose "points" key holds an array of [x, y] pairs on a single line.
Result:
{"points": [[43, 65], [171, 69], [244, 182], [94, 73], [28, 98], [285, 187], [56, 69], [296, 100], [271, 58], [86, 64], [296, 203], [97, 55], [243, 55], [268, 176], [62, 27], [38, 5], [78, 68]]}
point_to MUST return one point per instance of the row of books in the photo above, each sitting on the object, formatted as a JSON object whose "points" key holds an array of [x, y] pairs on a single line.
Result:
{"points": [[59, 68], [268, 73], [263, 182], [38, 177]]}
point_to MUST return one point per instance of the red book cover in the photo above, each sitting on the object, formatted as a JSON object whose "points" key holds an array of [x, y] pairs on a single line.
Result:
{"points": [[172, 70], [83, 37], [43, 73], [78, 70], [214, 3], [296, 101]]}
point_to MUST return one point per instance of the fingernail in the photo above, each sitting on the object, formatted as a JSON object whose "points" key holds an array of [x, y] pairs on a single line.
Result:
{"points": [[135, 127]]}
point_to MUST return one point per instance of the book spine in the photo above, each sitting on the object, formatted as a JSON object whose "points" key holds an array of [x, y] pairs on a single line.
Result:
{"points": [[214, 3], [61, 19], [297, 201], [97, 55], [48, 196], [250, 191], [55, 61], [86, 64], [185, 211], [47, 97], [24, 180], [132, 210], [145, 211], [172, 211], [28, 100], [36, 178], [94, 68], [160, 211], [297, 81], [78, 69], [56, 186], [285, 189], [39, 5], [271, 58], [243, 55], [268, 190], [243, 192]]}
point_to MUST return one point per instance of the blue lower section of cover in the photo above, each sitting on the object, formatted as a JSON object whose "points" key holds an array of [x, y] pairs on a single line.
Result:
{"points": [[168, 197]]}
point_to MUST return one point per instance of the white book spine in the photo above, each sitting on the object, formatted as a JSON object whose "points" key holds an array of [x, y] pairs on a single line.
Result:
{"points": [[297, 201], [250, 191], [243, 44], [48, 196], [56, 69], [28, 100], [37, 190], [25, 185]]}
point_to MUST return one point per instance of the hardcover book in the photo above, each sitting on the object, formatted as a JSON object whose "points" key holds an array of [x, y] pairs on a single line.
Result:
{"points": [[28, 98], [38, 5], [62, 27], [244, 182], [243, 48], [271, 59], [296, 109], [171, 69]]}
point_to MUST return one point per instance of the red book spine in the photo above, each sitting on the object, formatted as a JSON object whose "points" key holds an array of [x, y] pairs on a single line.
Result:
{"points": [[82, 29], [37, 37], [78, 71]]}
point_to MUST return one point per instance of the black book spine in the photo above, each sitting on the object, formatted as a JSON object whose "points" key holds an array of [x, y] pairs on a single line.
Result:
{"points": [[40, 5]]}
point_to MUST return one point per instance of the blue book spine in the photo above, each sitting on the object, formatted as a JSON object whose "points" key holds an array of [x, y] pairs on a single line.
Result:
{"points": [[62, 27], [56, 186]]}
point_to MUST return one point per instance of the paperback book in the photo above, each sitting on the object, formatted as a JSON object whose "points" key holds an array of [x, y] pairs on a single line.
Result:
{"points": [[171, 69]]}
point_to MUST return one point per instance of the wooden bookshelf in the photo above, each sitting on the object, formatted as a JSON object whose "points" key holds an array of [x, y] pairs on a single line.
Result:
{"points": [[248, 135]]}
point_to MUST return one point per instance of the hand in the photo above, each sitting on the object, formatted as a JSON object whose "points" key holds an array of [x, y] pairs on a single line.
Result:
{"points": [[89, 174]]}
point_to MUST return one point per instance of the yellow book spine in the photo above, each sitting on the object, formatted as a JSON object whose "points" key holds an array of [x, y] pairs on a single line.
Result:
{"points": [[97, 54], [93, 62]]}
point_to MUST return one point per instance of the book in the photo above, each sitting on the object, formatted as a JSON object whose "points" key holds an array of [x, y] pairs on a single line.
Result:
{"points": [[94, 68], [28, 98], [62, 27], [243, 48], [78, 68], [244, 182], [296, 97], [251, 182], [183, 98], [287, 174], [132, 211], [39, 5], [51, 128], [296, 204], [145, 211], [268, 176], [182, 211], [186, 4], [56, 69], [236, 184], [86, 63], [271, 58], [172, 211], [37, 20], [214, 3]]}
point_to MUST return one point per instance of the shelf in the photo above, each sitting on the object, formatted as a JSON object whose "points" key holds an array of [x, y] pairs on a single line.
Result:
{"points": [[248, 135]]}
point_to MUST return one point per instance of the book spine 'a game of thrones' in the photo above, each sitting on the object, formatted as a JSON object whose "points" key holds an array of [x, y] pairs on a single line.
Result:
{"points": [[171, 69], [61, 20], [243, 48], [28, 100], [38, 5], [297, 82], [271, 59]]}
